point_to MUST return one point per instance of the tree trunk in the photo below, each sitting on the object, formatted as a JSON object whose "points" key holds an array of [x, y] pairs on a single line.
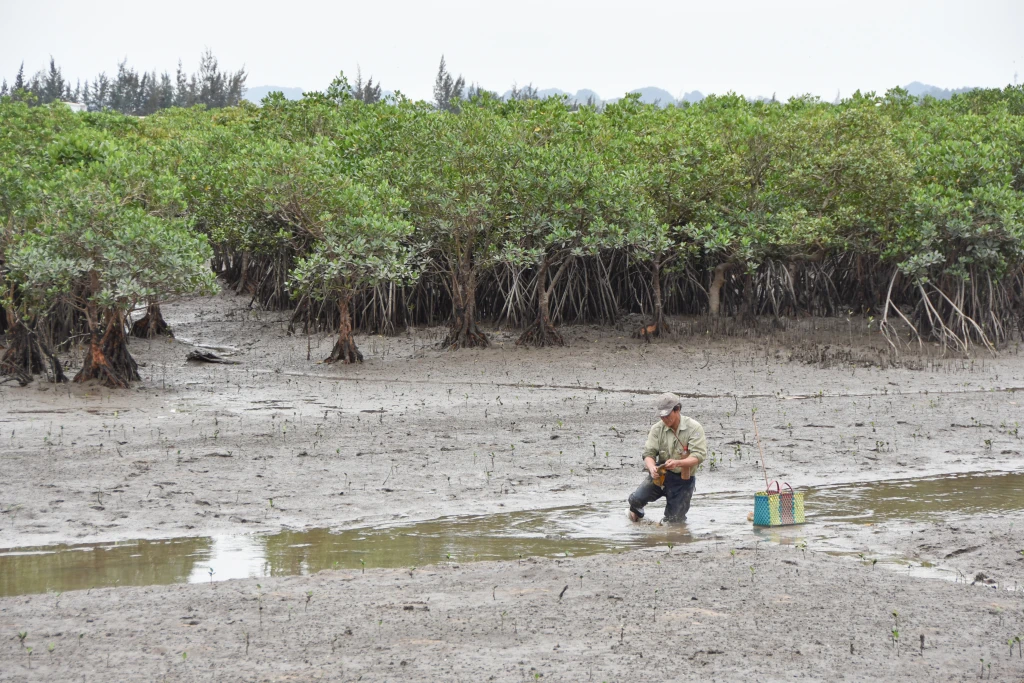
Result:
{"points": [[242, 286], [107, 358], [793, 271], [659, 326], [715, 291], [152, 324], [748, 314], [463, 332], [28, 355], [345, 350], [541, 332]]}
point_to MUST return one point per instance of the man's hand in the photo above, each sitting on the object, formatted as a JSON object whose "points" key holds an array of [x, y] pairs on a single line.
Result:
{"points": [[652, 468], [684, 462]]}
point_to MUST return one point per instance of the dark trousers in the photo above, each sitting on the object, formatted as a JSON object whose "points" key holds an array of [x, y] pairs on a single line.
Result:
{"points": [[677, 492]]}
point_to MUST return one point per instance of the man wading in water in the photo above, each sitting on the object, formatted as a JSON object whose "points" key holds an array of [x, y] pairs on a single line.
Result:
{"points": [[675, 447]]}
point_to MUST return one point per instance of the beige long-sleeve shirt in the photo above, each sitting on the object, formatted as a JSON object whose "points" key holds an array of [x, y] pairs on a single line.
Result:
{"points": [[662, 444]]}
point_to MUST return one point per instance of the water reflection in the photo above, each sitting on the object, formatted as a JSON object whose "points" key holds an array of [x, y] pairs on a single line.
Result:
{"points": [[75, 567], [552, 532], [955, 495]]}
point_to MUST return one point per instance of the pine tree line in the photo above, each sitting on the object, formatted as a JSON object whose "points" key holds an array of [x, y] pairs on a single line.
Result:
{"points": [[137, 93]]}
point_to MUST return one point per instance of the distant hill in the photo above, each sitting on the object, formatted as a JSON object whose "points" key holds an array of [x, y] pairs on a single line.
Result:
{"points": [[653, 95], [919, 89], [585, 94], [549, 92], [256, 93]]}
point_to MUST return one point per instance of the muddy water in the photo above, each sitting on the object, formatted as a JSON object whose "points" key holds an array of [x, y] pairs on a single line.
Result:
{"points": [[580, 530]]}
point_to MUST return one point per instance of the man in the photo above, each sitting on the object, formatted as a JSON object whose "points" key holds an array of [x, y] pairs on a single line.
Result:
{"points": [[676, 446]]}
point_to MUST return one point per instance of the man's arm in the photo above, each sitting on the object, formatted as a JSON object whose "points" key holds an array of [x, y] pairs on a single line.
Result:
{"points": [[650, 455], [698, 446]]}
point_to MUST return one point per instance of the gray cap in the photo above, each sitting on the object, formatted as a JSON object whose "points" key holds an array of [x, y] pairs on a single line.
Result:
{"points": [[666, 403]]}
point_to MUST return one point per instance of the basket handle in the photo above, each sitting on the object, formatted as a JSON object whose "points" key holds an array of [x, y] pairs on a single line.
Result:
{"points": [[778, 489], [787, 486]]}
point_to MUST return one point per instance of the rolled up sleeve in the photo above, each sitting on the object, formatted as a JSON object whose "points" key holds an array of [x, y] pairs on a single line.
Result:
{"points": [[697, 444], [651, 447]]}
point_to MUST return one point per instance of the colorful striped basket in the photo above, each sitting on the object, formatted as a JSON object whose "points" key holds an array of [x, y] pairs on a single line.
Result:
{"points": [[778, 507]]}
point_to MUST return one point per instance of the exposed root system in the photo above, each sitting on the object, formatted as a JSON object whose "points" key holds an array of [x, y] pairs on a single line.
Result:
{"points": [[345, 350], [107, 359], [465, 334], [538, 334], [29, 355], [151, 325]]}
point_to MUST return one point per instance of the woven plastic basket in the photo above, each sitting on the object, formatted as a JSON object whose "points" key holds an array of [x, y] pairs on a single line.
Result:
{"points": [[778, 507]]}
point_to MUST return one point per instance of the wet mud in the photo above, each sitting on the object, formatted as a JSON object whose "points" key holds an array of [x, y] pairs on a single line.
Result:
{"points": [[550, 532], [203, 461]]}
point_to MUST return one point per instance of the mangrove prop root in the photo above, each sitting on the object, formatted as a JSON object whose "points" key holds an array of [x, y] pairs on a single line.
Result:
{"points": [[344, 350], [538, 334], [29, 355], [107, 359], [957, 312], [464, 334], [151, 325]]}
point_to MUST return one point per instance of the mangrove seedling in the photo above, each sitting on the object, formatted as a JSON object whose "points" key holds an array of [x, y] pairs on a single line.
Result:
{"points": [[21, 637], [309, 596]]}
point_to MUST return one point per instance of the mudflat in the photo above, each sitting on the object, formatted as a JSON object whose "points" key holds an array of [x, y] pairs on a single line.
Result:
{"points": [[279, 442]]}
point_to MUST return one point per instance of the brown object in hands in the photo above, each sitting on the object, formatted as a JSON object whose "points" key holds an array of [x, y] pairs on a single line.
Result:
{"points": [[660, 479]]}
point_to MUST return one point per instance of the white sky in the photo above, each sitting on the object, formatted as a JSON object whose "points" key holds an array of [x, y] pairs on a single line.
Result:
{"points": [[757, 47]]}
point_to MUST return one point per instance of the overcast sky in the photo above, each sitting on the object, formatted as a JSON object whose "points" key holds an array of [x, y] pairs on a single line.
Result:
{"points": [[758, 47]]}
